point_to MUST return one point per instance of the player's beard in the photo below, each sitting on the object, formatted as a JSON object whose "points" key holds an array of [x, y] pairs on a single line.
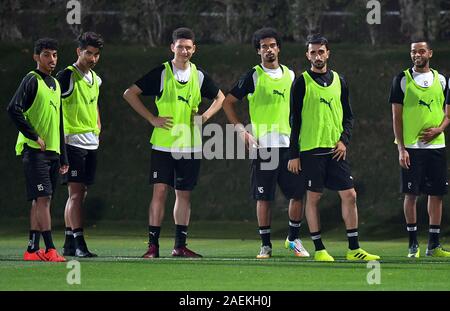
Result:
{"points": [[88, 64], [270, 58], [422, 63], [49, 67], [319, 64]]}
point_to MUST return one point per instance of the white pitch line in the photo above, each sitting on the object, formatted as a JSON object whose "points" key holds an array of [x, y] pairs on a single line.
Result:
{"points": [[225, 259]]}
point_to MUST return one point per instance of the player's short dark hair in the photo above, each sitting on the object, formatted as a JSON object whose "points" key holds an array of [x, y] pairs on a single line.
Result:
{"points": [[183, 33], [45, 43], [423, 40], [317, 39], [263, 33], [90, 39]]}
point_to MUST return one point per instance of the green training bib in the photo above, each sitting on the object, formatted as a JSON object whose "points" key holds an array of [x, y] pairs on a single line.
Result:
{"points": [[322, 114], [179, 101], [44, 117], [269, 105]]}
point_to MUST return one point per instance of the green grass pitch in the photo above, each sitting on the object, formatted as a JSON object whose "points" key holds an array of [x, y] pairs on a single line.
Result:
{"points": [[228, 265]]}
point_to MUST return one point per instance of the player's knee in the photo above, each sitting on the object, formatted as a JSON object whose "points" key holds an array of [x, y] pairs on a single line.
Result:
{"points": [[349, 196], [77, 196], [314, 197], [410, 198], [44, 200], [158, 200], [184, 196], [296, 203], [158, 188]]}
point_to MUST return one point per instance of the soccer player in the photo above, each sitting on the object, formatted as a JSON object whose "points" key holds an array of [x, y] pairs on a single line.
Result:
{"points": [[267, 87], [179, 86], [80, 91], [419, 119], [322, 121], [36, 112]]}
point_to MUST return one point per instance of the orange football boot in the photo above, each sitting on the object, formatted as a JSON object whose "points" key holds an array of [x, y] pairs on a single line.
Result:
{"points": [[38, 255], [52, 255]]}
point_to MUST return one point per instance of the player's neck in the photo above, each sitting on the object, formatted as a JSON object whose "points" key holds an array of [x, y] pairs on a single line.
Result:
{"points": [[424, 69], [44, 71], [319, 70], [82, 68], [180, 65], [272, 65]]}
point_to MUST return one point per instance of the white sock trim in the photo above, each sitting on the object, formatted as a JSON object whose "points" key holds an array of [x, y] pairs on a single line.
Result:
{"points": [[296, 225]]}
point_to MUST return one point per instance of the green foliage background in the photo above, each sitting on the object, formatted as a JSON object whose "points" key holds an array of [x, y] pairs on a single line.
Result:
{"points": [[122, 192]]}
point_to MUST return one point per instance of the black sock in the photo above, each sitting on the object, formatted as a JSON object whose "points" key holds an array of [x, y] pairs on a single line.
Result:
{"points": [[352, 236], [78, 236], [69, 241], [294, 229], [33, 243], [180, 236], [433, 240], [412, 232], [153, 235], [47, 236], [264, 233], [317, 239]]}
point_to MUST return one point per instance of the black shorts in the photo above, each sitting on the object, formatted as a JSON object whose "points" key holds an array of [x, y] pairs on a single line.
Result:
{"points": [[41, 172], [179, 173], [322, 171], [266, 172], [82, 165], [427, 173]]}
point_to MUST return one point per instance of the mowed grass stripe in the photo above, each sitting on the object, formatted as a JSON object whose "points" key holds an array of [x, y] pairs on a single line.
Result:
{"points": [[228, 265], [390, 260]]}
